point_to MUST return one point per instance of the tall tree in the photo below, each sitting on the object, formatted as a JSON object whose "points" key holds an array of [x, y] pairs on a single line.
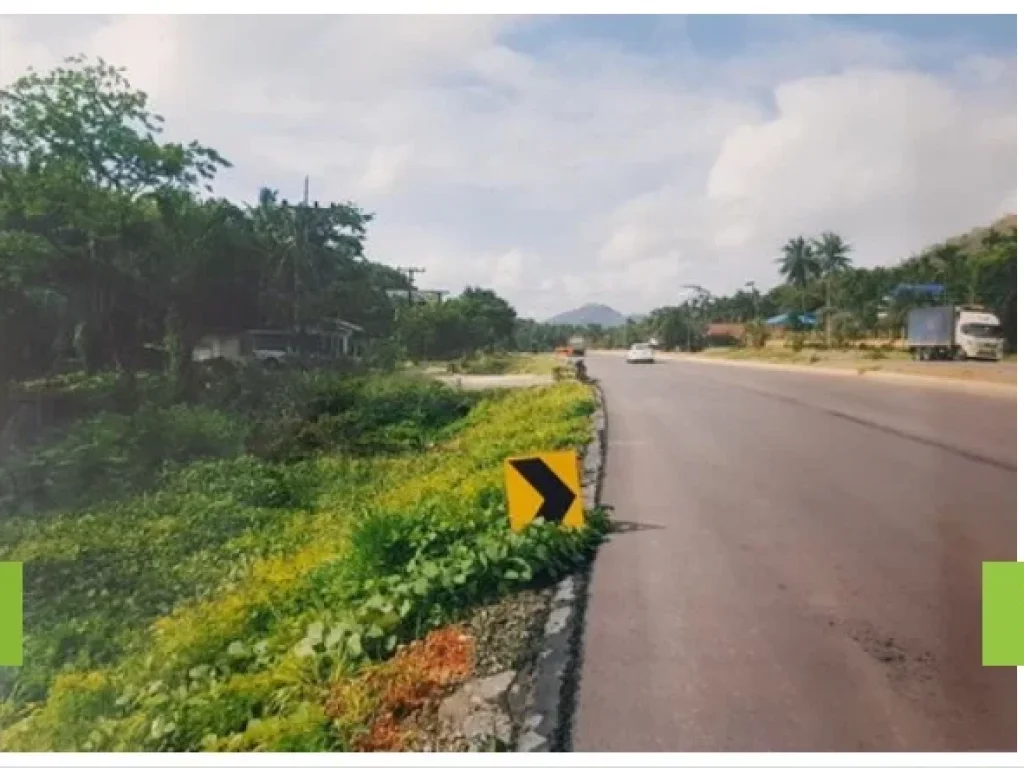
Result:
{"points": [[308, 248], [831, 252], [199, 246], [799, 265], [79, 151]]}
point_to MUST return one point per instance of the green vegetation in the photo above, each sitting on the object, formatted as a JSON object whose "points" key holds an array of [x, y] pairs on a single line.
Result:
{"points": [[476, 320], [228, 556], [220, 608], [115, 259], [111, 454], [850, 303], [284, 416]]}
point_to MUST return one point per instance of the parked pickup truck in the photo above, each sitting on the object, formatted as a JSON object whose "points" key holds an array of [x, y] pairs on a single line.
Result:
{"points": [[962, 333]]}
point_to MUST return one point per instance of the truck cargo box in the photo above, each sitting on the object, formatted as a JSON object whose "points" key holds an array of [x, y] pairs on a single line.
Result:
{"points": [[931, 327]]}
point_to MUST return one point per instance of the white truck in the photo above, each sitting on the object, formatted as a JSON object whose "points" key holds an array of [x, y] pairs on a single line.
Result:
{"points": [[962, 333]]}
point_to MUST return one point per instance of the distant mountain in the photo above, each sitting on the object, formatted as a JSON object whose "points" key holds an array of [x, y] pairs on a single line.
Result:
{"points": [[590, 314]]}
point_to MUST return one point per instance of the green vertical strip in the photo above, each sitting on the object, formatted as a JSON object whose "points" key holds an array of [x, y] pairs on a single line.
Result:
{"points": [[1002, 614], [10, 614]]}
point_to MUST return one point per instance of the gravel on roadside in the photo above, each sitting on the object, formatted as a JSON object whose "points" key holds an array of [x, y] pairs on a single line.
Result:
{"points": [[505, 635]]}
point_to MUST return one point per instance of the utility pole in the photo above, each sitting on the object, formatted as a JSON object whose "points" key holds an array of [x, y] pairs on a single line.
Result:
{"points": [[704, 293], [753, 290], [409, 272], [301, 242], [828, 312]]}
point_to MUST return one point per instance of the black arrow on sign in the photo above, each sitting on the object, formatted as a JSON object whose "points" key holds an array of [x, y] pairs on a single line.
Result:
{"points": [[558, 497]]}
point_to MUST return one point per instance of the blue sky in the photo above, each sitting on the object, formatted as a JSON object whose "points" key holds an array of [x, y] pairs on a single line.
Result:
{"points": [[716, 35], [568, 159], [995, 33]]}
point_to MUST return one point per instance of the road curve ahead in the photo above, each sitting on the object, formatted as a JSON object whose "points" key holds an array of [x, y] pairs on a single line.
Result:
{"points": [[797, 565]]}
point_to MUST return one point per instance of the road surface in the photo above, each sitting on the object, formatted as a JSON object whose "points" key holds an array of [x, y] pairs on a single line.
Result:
{"points": [[798, 564]]}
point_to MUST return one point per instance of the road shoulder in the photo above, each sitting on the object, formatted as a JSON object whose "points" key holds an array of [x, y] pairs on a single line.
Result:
{"points": [[906, 379], [550, 701]]}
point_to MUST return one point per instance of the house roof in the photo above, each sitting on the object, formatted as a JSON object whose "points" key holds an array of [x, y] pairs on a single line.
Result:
{"points": [[784, 319], [344, 325], [724, 329]]}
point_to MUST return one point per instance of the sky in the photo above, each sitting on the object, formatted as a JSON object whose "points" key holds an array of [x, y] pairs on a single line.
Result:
{"points": [[611, 159]]}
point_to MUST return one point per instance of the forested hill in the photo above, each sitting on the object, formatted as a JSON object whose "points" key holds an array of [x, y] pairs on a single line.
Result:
{"points": [[590, 314]]}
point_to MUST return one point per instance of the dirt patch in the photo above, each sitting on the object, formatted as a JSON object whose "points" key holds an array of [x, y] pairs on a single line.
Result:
{"points": [[509, 381], [869, 361]]}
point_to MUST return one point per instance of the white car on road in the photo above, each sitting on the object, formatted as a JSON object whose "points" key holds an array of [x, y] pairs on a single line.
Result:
{"points": [[640, 353]]}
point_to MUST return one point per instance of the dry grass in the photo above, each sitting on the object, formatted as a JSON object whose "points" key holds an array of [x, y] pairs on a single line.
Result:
{"points": [[397, 689], [517, 363], [541, 365], [874, 359]]}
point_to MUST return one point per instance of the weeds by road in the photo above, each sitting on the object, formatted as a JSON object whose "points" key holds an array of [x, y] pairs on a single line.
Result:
{"points": [[247, 590]]}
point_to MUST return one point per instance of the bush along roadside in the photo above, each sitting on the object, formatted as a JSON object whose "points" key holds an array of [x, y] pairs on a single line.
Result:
{"points": [[283, 633], [285, 417]]}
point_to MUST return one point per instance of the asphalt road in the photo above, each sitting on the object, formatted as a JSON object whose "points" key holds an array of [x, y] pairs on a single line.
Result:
{"points": [[798, 564]]}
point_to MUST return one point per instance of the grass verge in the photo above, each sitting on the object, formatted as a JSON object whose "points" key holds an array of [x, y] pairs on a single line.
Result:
{"points": [[244, 604]]}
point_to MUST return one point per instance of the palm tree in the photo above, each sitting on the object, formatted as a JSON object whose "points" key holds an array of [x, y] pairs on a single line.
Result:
{"points": [[799, 266], [830, 251]]}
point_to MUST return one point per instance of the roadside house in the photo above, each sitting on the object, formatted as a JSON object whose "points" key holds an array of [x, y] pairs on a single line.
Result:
{"points": [[332, 340]]}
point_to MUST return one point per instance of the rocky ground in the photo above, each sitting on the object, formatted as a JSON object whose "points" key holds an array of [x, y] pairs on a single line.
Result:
{"points": [[480, 714]]}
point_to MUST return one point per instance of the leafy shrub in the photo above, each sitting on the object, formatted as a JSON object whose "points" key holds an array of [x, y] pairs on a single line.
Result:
{"points": [[111, 455], [487, 365], [458, 563], [254, 483], [245, 388], [382, 355], [755, 334], [846, 328], [362, 415], [79, 395]]}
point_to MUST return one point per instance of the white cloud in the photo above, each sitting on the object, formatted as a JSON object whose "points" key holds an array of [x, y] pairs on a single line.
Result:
{"points": [[384, 168], [580, 170], [508, 271], [891, 159]]}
